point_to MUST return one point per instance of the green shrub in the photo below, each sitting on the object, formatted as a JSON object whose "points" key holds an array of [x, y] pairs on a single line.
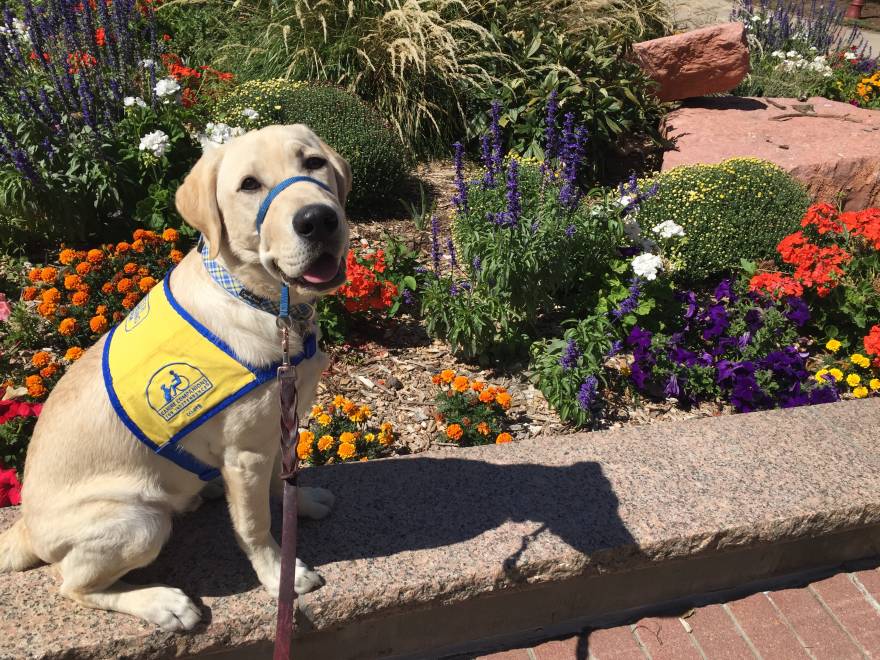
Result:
{"points": [[738, 209], [341, 119]]}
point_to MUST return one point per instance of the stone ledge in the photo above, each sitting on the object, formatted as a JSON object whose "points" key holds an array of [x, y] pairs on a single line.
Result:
{"points": [[432, 553]]}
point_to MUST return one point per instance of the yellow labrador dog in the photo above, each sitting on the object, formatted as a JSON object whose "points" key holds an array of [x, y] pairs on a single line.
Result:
{"points": [[97, 502]]}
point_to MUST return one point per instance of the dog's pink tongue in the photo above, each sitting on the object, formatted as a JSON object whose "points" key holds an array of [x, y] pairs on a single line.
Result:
{"points": [[323, 270]]}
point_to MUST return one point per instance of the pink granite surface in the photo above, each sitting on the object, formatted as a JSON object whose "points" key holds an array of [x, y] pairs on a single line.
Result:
{"points": [[438, 528], [827, 154]]}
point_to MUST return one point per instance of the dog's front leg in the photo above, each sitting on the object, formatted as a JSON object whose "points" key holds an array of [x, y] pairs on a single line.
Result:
{"points": [[247, 475]]}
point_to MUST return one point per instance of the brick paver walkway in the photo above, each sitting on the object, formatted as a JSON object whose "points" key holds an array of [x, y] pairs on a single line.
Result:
{"points": [[837, 618]]}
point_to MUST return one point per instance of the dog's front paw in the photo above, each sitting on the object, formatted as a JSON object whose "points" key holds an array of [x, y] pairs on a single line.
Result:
{"points": [[168, 608], [314, 503], [306, 579]]}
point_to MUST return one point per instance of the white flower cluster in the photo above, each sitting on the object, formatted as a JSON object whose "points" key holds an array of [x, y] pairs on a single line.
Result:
{"points": [[156, 143], [794, 61], [850, 56], [647, 265], [668, 229], [130, 101], [19, 29], [166, 87], [220, 133]]}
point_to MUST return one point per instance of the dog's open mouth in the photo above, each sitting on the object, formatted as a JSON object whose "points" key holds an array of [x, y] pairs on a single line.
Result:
{"points": [[325, 272]]}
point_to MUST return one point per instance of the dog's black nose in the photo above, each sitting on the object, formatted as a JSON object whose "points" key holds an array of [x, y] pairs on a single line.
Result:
{"points": [[315, 222]]}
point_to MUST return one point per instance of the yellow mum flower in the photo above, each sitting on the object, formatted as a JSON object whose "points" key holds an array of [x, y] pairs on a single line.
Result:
{"points": [[860, 360], [860, 392], [874, 384], [347, 438], [338, 400], [325, 442], [316, 410], [837, 374], [833, 345], [346, 450], [370, 437], [853, 379], [324, 419]]}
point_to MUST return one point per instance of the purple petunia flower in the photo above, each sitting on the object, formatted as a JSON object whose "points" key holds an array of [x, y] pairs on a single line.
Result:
{"points": [[797, 311], [672, 388], [716, 317]]}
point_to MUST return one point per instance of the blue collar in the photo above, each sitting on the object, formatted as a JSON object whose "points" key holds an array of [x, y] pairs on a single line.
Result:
{"points": [[227, 281]]}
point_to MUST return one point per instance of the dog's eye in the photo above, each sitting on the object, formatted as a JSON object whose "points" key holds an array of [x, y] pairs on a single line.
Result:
{"points": [[250, 183], [315, 162]]}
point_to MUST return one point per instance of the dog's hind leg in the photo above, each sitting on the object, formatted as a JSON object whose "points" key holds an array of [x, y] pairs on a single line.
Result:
{"points": [[16, 553], [93, 566]]}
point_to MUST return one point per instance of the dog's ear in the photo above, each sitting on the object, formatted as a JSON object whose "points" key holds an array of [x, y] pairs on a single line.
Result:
{"points": [[342, 170], [196, 199]]}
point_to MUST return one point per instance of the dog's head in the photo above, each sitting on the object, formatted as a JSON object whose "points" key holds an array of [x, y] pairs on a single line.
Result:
{"points": [[304, 237]]}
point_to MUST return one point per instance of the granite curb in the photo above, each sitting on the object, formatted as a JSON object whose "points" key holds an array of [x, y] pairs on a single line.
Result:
{"points": [[430, 554]]}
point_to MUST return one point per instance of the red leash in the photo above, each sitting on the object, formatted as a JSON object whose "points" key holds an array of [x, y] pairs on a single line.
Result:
{"points": [[289, 472]]}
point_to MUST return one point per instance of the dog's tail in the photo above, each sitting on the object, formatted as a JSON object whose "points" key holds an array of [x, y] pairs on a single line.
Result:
{"points": [[16, 553]]}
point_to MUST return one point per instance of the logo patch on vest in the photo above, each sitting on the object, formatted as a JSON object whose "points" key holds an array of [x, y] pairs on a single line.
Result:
{"points": [[137, 314], [176, 388]]}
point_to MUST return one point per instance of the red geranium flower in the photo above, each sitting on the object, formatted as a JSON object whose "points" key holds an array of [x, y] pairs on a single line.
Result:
{"points": [[10, 488]]}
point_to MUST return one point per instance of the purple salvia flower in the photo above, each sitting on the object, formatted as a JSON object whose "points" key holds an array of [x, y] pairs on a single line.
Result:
{"points": [[461, 195], [616, 347], [452, 257], [408, 297], [50, 111], [453, 290], [495, 132], [570, 356], [435, 244], [629, 304], [486, 157], [514, 207], [87, 102], [477, 264], [23, 164], [587, 392], [570, 231], [571, 154]]}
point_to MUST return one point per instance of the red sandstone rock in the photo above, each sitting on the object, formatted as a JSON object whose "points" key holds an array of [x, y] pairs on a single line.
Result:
{"points": [[828, 154], [705, 61]]}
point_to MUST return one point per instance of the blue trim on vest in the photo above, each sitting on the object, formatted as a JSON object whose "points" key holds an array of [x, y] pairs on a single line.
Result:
{"points": [[171, 449], [277, 190]]}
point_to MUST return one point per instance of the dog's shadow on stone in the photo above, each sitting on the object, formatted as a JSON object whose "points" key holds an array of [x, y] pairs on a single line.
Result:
{"points": [[387, 507]]}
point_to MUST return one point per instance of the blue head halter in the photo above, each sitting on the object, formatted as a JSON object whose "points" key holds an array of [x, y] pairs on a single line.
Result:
{"points": [[284, 305]]}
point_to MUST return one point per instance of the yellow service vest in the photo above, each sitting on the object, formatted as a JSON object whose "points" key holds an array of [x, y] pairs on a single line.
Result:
{"points": [[166, 374]]}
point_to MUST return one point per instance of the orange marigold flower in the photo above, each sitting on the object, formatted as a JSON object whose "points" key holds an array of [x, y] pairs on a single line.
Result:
{"points": [[130, 300], [124, 285], [49, 371], [73, 353], [83, 268], [143, 271], [483, 428], [35, 386], [67, 326], [48, 274], [325, 442], [66, 256], [347, 437], [95, 256], [461, 384], [138, 245], [122, 247], [71, 282], [29, 293], [502, 438], [46, 309], [98, 324], [478, 386], [52, 295], [107, 287], [346, 450], [176, 256], [487, 396], [435, 379], [503, 399], [138, 234], [79, 298], [170, 235], [454, 432], [35, 274], [41, 359], [447, 375], [130, 268], [118, 316], [146, 284], [348, 407]]}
